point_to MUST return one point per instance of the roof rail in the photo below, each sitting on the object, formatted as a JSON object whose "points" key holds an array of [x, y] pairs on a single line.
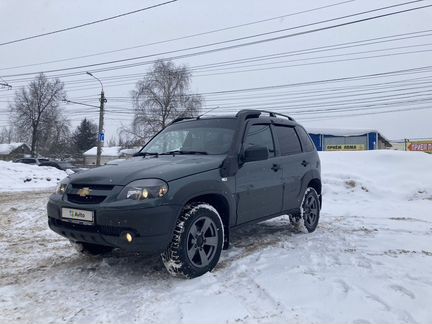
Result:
{"points": [[248, 113]]}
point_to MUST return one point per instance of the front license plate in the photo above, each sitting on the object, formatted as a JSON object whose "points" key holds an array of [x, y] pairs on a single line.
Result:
{"points": [[77, 214]]}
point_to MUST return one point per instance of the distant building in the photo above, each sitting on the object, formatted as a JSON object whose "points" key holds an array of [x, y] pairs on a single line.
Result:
{"points": [[348, 139], [108, 154], [398, 145], [13, 151]]}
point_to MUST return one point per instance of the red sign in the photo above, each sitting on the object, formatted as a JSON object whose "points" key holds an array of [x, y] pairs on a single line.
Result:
{"points": [[420, 146]]}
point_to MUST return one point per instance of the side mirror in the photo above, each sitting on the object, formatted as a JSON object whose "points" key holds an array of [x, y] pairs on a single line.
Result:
{"points": [[255, 153]]}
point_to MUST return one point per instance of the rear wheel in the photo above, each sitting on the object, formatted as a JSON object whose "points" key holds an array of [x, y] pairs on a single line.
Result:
{"points": [[197, 243], [309, 212], [91, 249]]}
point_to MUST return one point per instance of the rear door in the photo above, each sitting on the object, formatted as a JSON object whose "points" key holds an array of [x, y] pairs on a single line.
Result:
{"points": [[295, 165], [259, 184]]}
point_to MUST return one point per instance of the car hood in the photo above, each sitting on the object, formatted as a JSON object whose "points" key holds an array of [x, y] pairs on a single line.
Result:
{"points": [[165, 167]]}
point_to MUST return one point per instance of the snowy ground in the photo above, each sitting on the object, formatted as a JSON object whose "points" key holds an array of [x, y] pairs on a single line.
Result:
{"points": [[369, 261], [25, 177]]}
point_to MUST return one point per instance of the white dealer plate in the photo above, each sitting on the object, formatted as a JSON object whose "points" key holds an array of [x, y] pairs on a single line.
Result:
{"points": [[77, 214]]}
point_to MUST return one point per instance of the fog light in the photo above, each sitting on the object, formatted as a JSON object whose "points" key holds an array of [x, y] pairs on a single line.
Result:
{"points": [[127, 236]]}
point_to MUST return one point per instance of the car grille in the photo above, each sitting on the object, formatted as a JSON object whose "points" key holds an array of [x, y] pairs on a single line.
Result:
{"points": [[77, 199], [98, 193], [93, 187]]}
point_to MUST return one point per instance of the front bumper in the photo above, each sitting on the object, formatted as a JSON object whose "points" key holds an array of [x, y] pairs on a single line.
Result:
{"points": [[152, 227]]}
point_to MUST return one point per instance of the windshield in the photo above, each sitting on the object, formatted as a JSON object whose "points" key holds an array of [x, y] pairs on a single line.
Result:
{"points": [[211, 136]]}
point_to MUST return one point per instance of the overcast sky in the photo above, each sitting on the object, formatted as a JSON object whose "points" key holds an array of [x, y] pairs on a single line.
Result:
{"points": [[21, 18]]}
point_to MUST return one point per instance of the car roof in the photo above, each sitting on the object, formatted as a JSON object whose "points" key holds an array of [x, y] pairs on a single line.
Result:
{"points": [[267, 116]]}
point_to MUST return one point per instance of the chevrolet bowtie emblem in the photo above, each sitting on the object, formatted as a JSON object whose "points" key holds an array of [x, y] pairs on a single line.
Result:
{"points": [[84, 192]]}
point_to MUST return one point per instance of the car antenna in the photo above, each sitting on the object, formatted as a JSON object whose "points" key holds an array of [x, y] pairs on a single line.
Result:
{"points": [[207, 112]]}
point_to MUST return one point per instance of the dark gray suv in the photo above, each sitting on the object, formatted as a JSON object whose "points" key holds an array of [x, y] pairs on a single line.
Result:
{"points": [[189, 186]]}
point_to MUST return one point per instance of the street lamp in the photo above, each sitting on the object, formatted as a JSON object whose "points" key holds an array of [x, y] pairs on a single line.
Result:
{"points": [[101, 121]]}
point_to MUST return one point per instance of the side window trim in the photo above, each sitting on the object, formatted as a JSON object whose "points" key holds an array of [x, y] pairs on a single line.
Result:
{"points": [[299, 139], [275, 140]]}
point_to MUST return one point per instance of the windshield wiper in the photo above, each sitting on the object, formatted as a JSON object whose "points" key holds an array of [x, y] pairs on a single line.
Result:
{"points": [[184, 152], [144, 154]]}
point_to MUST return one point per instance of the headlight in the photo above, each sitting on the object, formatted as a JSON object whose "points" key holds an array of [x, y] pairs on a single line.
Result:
{"points": [[62, 186], [144, 189]]}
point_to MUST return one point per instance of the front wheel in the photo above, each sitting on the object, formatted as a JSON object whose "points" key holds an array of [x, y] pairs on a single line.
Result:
{"points": [[197, 242]]}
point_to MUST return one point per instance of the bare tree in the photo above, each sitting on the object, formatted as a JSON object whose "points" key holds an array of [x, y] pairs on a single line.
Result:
{"points": [[161, 97], [36, 109], [56, 136], [7, 135]]}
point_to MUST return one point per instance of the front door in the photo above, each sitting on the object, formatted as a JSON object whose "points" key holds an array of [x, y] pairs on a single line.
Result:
{"points": [[259, 184]]}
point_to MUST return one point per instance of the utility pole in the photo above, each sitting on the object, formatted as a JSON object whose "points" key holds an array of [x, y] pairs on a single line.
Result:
{"points": [[101, 131], [101, 135]]}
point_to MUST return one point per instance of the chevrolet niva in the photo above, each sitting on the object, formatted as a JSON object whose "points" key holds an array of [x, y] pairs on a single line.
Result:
{"points": [[193, 182]]}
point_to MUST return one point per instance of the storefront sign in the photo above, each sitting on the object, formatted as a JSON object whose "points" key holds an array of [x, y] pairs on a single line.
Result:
{"points": [[346, 147], [420, 146]]}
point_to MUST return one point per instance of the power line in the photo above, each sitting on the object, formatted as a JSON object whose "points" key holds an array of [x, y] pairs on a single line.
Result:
{"points": [[237, 39], [284, 54], [367, 113], [309, 63], [86, 24], [180, 38], [319, 93]]}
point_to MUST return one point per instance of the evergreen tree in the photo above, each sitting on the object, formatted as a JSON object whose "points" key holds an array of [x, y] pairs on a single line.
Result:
{"points": [[85, 136]]}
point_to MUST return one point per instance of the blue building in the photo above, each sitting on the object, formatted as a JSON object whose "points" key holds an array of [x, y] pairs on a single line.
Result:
{"points": [[348, 139]]}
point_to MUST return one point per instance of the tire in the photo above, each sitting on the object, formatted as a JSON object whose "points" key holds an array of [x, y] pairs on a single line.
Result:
{"points": [[307, 220], [91, 249], [193, 250]]}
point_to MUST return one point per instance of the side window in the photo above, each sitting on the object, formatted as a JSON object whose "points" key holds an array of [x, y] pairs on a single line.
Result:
{"points": [[260, 135], [288, 140], [308, 145]]}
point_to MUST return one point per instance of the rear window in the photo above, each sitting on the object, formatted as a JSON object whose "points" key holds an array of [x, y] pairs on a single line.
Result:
{"points": [[288, 140], [308, 145]]}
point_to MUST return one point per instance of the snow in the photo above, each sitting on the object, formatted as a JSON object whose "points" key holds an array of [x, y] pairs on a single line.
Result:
{"points": [[24, 177], [368, 261], [343, 132], [340, 131], [106, 151], [6, 149]]}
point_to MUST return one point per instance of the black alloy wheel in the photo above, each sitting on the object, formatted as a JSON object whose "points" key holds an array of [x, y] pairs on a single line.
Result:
{"points": [[202, 241], [197, 242], [311, 209]]}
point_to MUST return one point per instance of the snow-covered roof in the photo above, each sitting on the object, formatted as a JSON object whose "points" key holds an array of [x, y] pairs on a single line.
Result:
{"points": [[344, 132], [6, 149], [106, 151], [340, 131]]}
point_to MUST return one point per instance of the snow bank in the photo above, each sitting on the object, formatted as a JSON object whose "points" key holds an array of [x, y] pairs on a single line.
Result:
{"points": [[369, 260], [22, 177], [355, 177]]}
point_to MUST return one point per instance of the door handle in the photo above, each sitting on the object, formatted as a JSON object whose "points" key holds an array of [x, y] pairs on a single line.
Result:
{"points": [[275, 167], [304, 163]]}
